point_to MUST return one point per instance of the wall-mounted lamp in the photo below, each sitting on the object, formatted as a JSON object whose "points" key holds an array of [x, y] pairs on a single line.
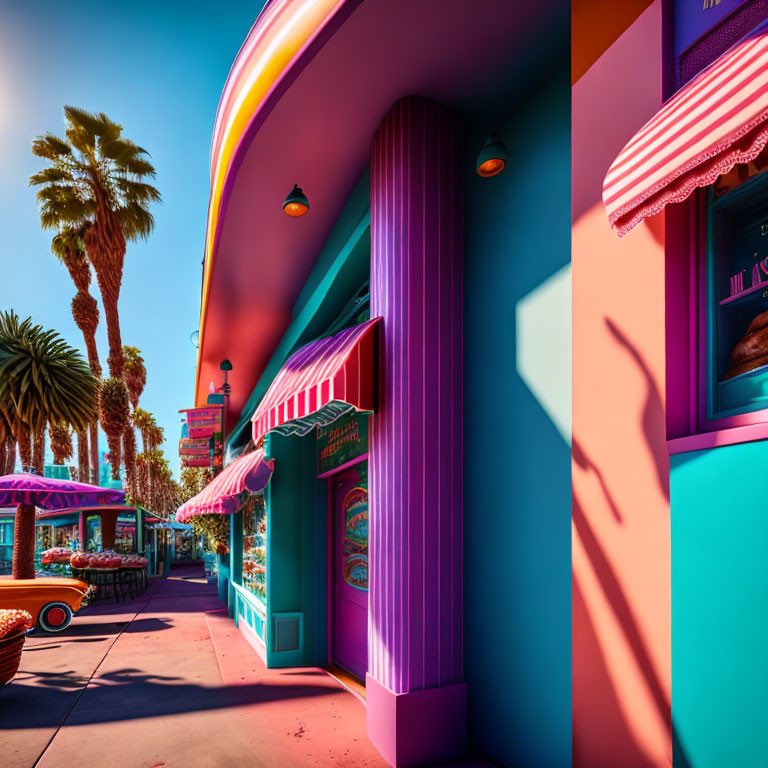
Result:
{"points": [[296, 204], [226, 366], [493, 157]]}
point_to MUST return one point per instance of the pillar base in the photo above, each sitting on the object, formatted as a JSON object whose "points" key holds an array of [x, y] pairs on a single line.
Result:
{"points": [[419, 727]]}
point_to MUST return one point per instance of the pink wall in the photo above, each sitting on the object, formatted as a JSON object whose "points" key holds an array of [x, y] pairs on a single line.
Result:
{"points": [[621, 541]]}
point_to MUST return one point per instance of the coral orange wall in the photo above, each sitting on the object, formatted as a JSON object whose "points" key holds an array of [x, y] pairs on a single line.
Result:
{"points": [[621, 539]]}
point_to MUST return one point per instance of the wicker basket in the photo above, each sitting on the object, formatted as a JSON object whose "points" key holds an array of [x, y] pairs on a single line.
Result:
{"points": [[10, 656]]}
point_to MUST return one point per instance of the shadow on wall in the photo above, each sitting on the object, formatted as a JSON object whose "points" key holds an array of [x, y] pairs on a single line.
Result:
{"points": [[609, 731], [653, 419], [517, 617]]}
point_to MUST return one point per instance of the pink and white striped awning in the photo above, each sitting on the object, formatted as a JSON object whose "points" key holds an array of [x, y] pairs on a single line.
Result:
{"points": [[719, 119], [320, 382], [225, 494]]}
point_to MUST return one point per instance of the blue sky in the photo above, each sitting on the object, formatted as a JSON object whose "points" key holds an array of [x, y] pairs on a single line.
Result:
{"points": [[158, 69]]}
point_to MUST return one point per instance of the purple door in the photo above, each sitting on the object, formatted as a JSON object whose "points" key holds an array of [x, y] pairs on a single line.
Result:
{"points": [[349, 507]]}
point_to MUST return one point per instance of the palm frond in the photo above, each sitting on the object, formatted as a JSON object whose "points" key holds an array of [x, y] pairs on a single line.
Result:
{"points": [[138, 191], [50, 175], [50, 147]]}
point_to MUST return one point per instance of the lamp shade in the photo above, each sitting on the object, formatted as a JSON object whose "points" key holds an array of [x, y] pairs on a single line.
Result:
{"points": [[296, 204], [493, 157]]}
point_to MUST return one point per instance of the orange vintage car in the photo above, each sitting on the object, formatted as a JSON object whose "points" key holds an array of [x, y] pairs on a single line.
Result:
{"points": [[52, 600]]}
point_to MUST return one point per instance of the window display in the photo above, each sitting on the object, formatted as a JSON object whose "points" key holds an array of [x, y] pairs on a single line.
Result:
{"points": [[44, 537], [186, 546], [93, 533], [738, 299], [67, 536], [125, 534], [255, 546]]}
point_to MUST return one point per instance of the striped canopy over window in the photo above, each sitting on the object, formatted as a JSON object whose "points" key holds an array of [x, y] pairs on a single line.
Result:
{"points": [[718, 120], [227, 492], [320, 382]]}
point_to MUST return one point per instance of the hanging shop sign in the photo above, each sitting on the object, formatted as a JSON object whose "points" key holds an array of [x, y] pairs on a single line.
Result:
{"points": [[342, 441], [201, 452], [202, 442], [203, 422]]}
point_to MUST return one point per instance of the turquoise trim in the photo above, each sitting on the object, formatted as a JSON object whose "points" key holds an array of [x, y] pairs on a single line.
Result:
{"points": [[248, 608]]}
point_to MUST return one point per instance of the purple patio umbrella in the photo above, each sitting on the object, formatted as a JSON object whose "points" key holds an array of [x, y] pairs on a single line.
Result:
{"points": [[29, 491]]}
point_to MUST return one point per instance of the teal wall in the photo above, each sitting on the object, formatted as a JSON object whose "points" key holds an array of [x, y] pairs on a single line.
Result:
{"points": [[517, 565], [296, 552], [720, 607]]}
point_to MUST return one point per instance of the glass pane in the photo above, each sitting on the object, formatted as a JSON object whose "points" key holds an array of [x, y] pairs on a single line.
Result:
{"points": [[255, 546]]}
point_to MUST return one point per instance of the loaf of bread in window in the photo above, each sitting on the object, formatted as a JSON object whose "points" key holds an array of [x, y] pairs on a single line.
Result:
{"points": [[752, 350]]}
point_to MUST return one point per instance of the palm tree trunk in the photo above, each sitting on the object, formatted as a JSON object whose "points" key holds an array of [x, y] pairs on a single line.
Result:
{"points": [[93, 353], [38, 452], [10, 455], [115, 443], [115, 360], [24, 543], [25, 447], [94, 454], [82, 456], [129, 458], [3, 452]]}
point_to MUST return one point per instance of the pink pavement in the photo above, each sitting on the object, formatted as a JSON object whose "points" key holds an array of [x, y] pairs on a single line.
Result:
{"points": [[168, 681]]}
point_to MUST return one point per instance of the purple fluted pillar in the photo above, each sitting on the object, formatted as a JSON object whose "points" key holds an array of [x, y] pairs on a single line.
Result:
{"points": [[416, 697]]}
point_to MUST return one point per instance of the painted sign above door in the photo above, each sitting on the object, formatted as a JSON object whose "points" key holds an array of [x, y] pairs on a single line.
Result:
{"points": [[341, 442], [694, 18]]}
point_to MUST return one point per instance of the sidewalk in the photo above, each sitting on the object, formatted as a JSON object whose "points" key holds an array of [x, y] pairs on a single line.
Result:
{"points": [[167, 681]]}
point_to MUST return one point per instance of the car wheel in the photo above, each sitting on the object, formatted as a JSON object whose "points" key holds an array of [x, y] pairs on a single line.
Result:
{"points": [[54, 617]]}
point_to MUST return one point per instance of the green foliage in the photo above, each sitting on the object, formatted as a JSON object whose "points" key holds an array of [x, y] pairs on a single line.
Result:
{"points": [[93, 168], [42, 379], [215, 528], [193, 480]]}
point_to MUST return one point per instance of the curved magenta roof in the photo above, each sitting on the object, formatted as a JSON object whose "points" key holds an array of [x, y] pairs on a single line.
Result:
{"points": [[307, 91]]}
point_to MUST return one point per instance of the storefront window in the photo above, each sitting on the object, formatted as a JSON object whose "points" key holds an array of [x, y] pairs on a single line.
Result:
{"points": [[255, 546], [93, 533], [125, 534], [67, 536], [737, 348], [44, 537], [6, 545], [186, 546]]}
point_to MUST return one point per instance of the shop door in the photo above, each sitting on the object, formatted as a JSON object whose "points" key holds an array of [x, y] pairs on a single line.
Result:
{"points": [[349, 507]]}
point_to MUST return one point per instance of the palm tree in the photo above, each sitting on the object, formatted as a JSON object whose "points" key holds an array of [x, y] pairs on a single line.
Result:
{"points": [[69, 247], [97, 177], [135, 379], [42, 380]]}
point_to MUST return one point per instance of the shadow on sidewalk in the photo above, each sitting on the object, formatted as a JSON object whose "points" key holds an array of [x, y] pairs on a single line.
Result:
{"points": [[128, 694], [104, 628]]}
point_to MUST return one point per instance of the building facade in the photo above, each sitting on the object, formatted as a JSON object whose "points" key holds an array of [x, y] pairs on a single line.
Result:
{"points": [[669, 410], [398, 428]]}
